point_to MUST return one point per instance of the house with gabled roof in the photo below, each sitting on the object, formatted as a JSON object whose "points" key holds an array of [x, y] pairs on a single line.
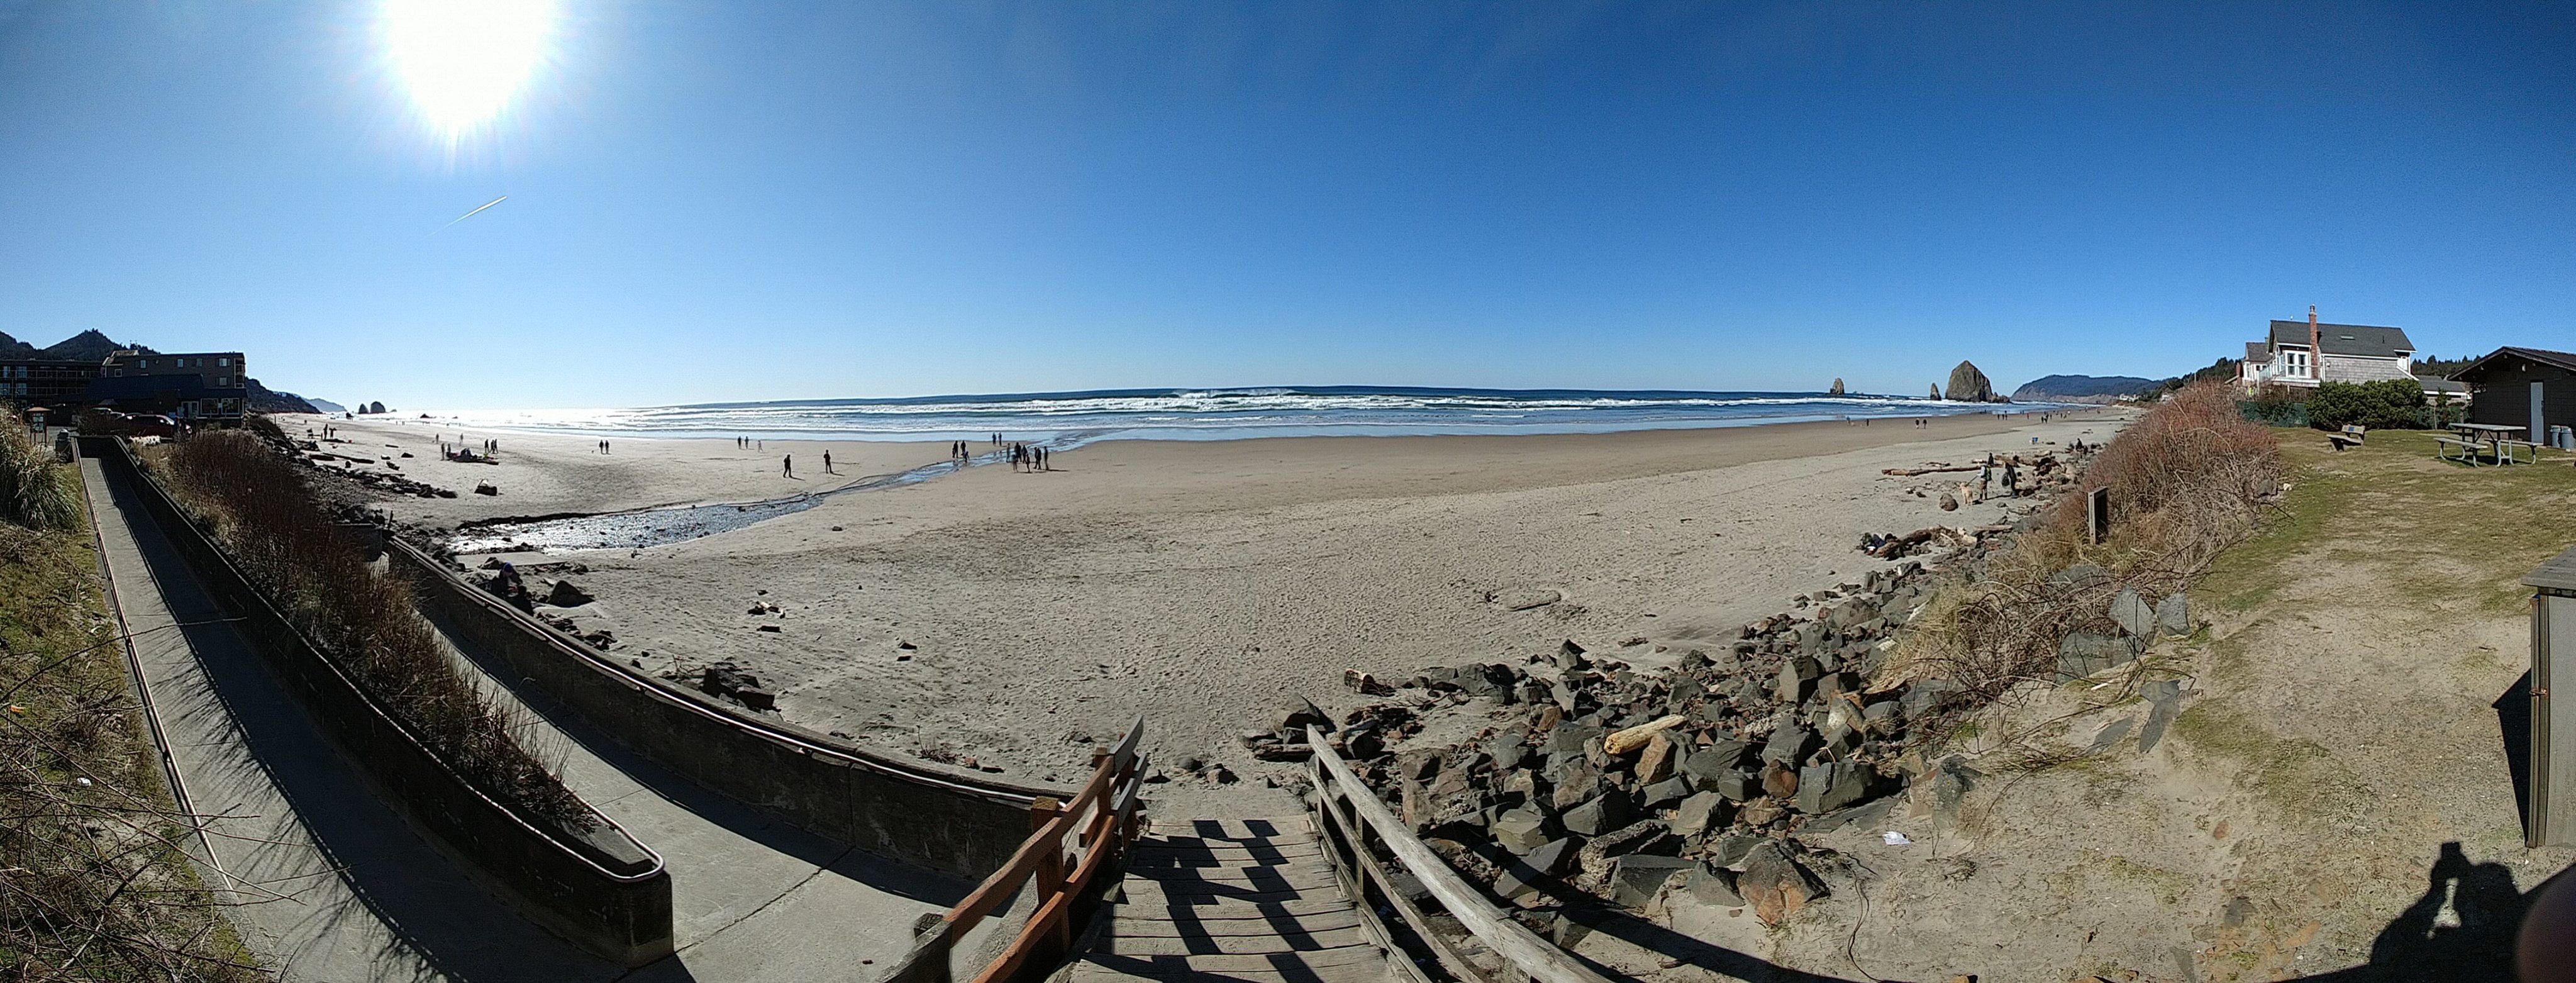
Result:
{"points": [[2302, 354]]}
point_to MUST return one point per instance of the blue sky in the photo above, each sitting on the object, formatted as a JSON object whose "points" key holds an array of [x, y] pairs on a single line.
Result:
{"points": [[714, 201]]}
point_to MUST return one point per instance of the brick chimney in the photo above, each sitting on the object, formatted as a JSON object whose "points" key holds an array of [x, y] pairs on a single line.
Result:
{"points": [[2317, 351]]}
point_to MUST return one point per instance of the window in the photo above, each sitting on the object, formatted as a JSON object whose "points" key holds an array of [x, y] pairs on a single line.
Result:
{"points": [[2294, 363], [223, 382], [223, 363]]}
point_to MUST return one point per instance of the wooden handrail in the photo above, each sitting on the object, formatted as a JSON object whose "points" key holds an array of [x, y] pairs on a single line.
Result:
{"points": [[1519, 947], [1102, 812]]}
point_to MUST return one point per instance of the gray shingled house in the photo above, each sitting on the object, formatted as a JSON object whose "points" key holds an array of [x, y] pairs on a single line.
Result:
{"points": [[2304, 353]]}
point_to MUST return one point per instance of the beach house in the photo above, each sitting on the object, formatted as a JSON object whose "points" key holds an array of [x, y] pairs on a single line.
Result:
{"points": [[206, 386], [2302, 354], [2523, 387]]}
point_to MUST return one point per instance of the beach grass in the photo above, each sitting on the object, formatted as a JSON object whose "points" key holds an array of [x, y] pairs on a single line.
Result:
{"points": [[94, 884]]}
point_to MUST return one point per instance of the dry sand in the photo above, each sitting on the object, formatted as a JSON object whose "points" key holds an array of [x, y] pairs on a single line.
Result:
{"points": [[1203, 584]]}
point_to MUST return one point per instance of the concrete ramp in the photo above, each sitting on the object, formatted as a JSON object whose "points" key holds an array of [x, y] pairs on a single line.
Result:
{"points": [[330, 883], [752, 897]]}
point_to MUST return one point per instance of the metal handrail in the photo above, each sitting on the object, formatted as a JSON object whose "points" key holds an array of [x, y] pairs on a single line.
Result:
{"points": [[1520, 948]]}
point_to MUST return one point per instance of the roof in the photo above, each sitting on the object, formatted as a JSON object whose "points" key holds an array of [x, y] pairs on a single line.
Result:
{"points": [[2558, 575], [2346, 339], [2258, 351], [2564, 360]]}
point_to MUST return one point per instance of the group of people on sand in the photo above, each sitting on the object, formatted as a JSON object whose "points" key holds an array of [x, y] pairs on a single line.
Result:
{"points": [[787, 465], [1027, 458], [603, 447], [746, 443], [462, 453]]}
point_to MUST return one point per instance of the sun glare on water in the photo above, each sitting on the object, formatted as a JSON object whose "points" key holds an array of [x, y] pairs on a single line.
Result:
{"points": [[463, 60]]}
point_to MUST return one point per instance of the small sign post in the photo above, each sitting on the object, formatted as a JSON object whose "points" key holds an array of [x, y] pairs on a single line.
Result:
{"points": [[2553, 742], [2097, 515]]}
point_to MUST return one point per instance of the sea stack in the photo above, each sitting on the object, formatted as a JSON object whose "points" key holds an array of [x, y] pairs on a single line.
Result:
{"points": [[1967, 385], [1936, 390], [1837, 390]]}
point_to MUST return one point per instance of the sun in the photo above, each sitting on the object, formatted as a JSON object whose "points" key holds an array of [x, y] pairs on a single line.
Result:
{"points": [[463, 60]]}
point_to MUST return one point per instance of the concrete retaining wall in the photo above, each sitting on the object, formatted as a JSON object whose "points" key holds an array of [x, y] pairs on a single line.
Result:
{"points": [[955, 822], [601, 890]]}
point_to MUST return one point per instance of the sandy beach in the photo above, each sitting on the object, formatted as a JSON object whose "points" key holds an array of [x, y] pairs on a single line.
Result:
{"points": [[1020, 618]]}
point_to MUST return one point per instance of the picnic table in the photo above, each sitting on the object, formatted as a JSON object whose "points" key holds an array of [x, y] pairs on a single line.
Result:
{"points": [[2487, 437]]}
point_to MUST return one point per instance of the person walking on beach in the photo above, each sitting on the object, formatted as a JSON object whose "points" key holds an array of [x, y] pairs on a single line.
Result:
{"points": [[827, 462], [787, 466]]}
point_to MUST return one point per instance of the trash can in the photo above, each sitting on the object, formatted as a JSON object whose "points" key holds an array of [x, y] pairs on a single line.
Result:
{"points": [[2563, 438]]}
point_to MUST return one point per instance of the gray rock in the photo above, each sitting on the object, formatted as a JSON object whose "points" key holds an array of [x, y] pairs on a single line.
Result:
{"points": [[1522, 830], [1600, 814], [1730, 849], [1967, 385], [1710, 763], [1507, 751], [2164, 700], [1826, 787], [1795, 678], [1715, 886], [2081, 576], [1774, 883], [1789, 742], [1569, 657], [1637, 878], [1883, 717], [1926, 697], [1524, 874], [2132, 613], [2085, 653], [1575, 781], [1738, 786], [2173, 615], [1568, 738], [1667, 792], [566, 595], [1525, 598], [1698, 813]]}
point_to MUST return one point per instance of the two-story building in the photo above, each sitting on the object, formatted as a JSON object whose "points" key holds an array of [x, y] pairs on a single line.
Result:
{"points": [[45, 382], [2303, 354], [206, 386]]}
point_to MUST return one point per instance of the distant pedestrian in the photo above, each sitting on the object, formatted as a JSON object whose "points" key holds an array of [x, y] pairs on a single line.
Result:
{"points": [[787, 466], [827, 462]]}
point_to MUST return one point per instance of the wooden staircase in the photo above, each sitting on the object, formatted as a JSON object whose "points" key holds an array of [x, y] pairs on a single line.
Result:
{"points": [[1231, 899]]}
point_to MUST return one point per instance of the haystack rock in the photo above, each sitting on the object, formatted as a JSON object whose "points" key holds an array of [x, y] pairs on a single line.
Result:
{"points": [[1837, 390], [1936, 390], [1967, 385]]}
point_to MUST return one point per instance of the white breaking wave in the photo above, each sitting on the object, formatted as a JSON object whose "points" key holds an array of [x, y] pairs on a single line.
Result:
{"points": [[1225, 413]]}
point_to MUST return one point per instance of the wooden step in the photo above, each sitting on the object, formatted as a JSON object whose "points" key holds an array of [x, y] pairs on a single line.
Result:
{"points": [[1193, 945], [1166, 849], [1234, 880], [1271, 923], [1274, 962], [1182, 907]]}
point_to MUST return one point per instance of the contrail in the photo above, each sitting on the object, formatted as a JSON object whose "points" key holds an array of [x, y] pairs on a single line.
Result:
{"points": [[473, 213]]}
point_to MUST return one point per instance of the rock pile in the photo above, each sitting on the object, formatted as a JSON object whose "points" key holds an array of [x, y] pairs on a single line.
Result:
{"points": [[1609, 782]]}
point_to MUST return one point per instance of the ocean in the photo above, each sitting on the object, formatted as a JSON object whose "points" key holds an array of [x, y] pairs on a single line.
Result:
{"points": [[1227, 414]]}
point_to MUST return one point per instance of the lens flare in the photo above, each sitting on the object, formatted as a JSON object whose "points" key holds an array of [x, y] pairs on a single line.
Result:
{"points": [[463, 60]]}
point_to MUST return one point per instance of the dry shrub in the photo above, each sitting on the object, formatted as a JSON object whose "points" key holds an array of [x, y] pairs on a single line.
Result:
{"points": [[2185, 481], [281, 537], [35, 492]]}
